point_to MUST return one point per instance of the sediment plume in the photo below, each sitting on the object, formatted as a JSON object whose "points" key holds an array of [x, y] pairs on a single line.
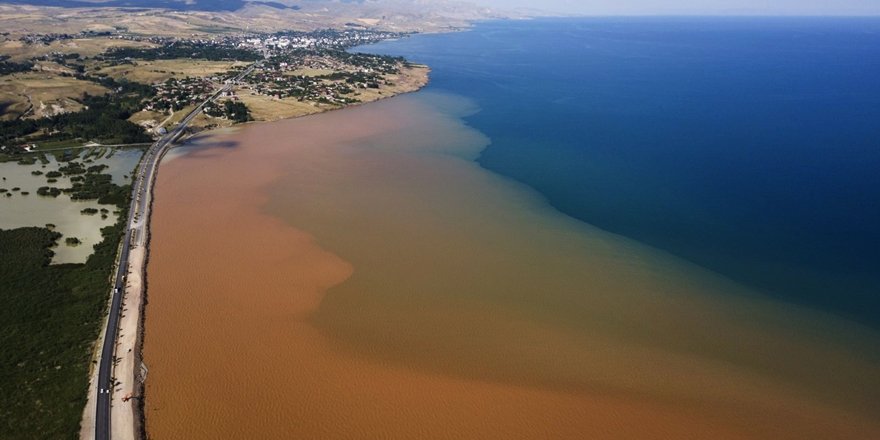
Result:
{"points": [[356, 274]]}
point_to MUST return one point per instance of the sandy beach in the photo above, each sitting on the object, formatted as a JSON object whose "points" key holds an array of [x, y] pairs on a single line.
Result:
{"points": [[356, 275]]}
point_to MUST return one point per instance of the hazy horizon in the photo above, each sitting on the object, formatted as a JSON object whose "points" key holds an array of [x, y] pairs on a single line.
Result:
{"points": [[543, 7], [694, 7]]}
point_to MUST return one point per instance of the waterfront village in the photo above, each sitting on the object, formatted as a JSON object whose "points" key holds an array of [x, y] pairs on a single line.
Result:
{"points": [[138, 87]]}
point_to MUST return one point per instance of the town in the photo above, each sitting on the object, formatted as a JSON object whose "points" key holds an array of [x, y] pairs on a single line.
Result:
{"points": [[138, 85]]}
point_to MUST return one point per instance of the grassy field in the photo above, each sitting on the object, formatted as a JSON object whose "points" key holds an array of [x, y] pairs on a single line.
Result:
{"points": [[12, 104], [149, 72], [148, 118], [265, 108], [52, 145], [178, 116], [48, 93]]}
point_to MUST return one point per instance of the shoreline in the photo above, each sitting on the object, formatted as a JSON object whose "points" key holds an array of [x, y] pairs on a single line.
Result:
{"points": [[769, 392], [400, 333], [413, 77], [136, 298]]}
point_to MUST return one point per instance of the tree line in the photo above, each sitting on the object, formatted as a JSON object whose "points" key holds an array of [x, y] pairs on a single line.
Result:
{"points": [[183, 50]]}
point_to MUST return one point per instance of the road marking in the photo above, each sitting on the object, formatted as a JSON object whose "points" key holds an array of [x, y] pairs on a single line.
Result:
{"points": [[144, 185]]}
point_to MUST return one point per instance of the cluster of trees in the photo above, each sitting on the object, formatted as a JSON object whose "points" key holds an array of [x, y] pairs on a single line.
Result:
{"points": [[369, 80], [127, 94], [104, 118], [183, 50], [14, 129], [87, 184], [10, 67], [72, 168], [49, 191], [377, 63], [232, 110], [71, 60], [99, 187], [92, 211]]}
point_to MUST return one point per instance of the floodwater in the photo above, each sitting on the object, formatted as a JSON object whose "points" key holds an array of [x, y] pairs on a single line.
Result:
{"points": [[356, 274], [34, 210]]}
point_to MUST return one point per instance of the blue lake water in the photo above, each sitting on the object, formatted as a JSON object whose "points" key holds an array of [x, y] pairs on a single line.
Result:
{"points": [[749, 146]]}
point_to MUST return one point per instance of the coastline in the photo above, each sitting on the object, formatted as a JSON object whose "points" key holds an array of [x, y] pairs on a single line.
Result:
{"points": [[354, 363], [128, 374], [412, 78], [347, 345], [135, 300]]}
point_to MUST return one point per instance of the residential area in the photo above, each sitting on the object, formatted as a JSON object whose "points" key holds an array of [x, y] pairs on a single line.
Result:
{"points": [[138, 87]]}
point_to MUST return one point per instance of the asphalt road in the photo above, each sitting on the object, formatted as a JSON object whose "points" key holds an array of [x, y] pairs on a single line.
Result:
{"points": [[138, 216]]}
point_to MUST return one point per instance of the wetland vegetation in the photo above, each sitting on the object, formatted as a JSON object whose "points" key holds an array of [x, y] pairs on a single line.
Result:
{"points": [[51, 316]]}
